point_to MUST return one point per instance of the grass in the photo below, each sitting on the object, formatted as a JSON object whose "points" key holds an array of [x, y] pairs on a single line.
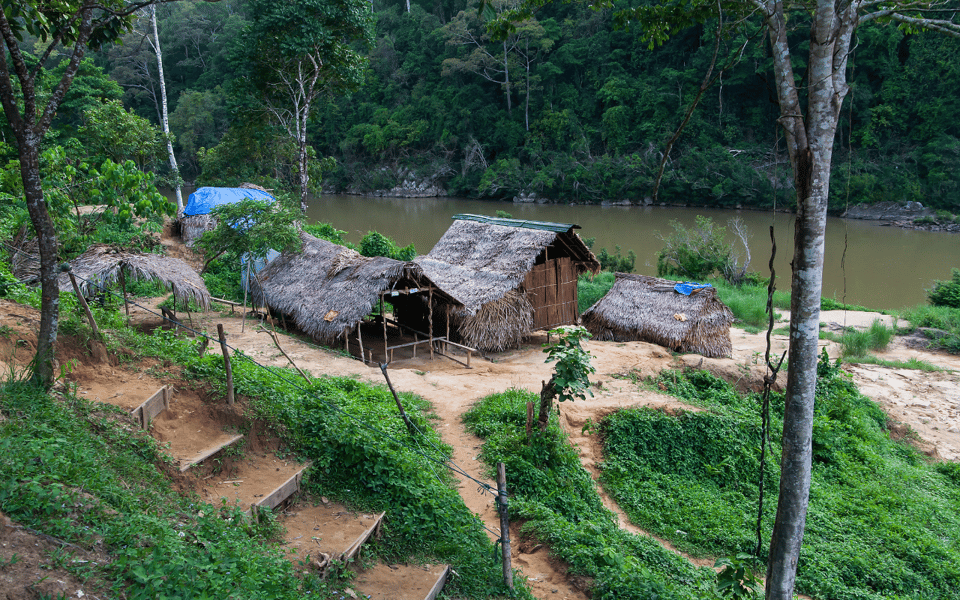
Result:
{"points": [[882, 522], [943, 323], [914, 363], [556, 500]]}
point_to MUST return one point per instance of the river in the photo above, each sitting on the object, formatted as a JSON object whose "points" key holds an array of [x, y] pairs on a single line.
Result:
{"points": [[883, 267]]}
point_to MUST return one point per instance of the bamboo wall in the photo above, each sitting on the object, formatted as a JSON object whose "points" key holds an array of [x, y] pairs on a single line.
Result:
{"points": [[552, 290]]}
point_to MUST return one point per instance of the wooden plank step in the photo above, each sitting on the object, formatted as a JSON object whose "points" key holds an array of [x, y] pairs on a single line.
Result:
{"points": [[288, 488], [202, 455], [247, 479], [329, 529], [153, 406], [401, 582]]}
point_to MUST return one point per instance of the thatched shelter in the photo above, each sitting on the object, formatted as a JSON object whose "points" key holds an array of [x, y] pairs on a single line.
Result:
{"points": [[328, 289], [649, 309], [511, 276], [104, 265], [196, 218]]}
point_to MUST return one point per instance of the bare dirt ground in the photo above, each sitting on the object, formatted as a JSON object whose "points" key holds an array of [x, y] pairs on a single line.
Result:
{"points": [[926, 403]]}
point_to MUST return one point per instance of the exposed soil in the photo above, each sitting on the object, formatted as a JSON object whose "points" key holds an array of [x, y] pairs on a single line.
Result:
{"points": [[926, 403]]}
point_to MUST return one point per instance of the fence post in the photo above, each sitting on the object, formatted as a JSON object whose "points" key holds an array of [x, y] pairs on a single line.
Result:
{"points": [[226, 363], [86, 308], [504, 524]]}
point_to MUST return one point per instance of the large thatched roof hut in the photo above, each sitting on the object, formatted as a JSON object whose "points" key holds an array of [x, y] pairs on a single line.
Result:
{"points": [[102, 265], [328, 289], [196, 218], [649, 309], [511, 277]]}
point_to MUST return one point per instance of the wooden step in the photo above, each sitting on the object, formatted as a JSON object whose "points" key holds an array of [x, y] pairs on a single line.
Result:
{"points": [[328, 534], [249, 479], [222, 441], [288, 488], [401, 582], [153, 406]]}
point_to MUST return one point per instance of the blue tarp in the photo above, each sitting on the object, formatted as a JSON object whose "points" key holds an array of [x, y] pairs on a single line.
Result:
{"points": [[686, 288], [202, 201]]}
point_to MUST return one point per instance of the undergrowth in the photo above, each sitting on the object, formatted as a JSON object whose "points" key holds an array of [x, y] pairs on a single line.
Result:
{"points": [[76, 471], [361, 453], [941, 325], [882, 522], [555, 498]]}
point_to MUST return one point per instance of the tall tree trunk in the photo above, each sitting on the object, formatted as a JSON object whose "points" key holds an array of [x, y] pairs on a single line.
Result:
{"points": [[47, 238], [506, 77], [810, 142], [163, 99], [526, 107]]}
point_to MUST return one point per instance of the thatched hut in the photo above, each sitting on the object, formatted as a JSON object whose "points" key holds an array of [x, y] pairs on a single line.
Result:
{"points": [[328, 289], [649, 309], [104, 265], [511, 277], [196, 218]]}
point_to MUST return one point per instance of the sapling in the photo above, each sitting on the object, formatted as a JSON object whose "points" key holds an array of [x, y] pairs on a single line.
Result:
{"points": [[570, 380]]}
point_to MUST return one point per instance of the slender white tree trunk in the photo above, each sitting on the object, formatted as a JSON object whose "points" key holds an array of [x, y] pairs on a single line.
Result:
{"points": [[810, 142], [506, 77], [163, 100]]}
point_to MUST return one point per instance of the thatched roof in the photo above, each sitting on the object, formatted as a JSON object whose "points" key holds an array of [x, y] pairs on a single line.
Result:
{"points": [[480, 259], [497, 325], [648, 309], [101, 265], [327, 289]]}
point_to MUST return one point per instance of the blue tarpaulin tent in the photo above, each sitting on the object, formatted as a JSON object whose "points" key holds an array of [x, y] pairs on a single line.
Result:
{"points": [[202, 201]]}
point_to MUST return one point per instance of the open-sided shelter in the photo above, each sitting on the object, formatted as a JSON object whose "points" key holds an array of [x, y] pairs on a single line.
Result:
{"points": [[328, 289], [511, 277], [103, 265], [650, 309], [196, 217]]}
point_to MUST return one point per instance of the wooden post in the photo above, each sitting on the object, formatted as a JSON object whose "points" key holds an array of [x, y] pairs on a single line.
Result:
{"points": [[430, 305], [123, 286], [403, 414], [243, 320], [226, 363], [346, 342], [446, 346], [504, 524], [363, 356], [529, 418], [86, 308], [383, 317]]}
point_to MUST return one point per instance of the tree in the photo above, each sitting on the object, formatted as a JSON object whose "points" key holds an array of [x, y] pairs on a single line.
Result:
{"points": [[300, 51], [810, 91], [571, 376], [155, 42], [251, 227], [69, 26]]}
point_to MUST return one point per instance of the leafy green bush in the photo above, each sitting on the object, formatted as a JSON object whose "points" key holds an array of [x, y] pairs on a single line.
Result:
{"points": [[377, 244], [591, 288], [880, 520], [941, 324], [326, 231], [695, 253], [555, 497], [946, 293]]}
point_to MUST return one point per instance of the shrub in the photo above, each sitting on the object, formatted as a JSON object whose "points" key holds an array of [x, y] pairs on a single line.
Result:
{"points": [[946, 293], [695, 253], [377, 244]]}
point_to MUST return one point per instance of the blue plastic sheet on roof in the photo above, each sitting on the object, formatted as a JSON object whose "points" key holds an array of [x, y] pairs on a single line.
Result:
{"points": [[202, 201], [686, 288]]}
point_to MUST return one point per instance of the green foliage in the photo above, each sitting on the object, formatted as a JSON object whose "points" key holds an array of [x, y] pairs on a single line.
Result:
{"points": [[940, 323], [946, 293], [326, 231], [590, 288], [739, 576], [555, 498], [73, 470], [251, 227], [110, 132], [571, 374], [880, 517], [362, 453], [377, 244], [695, 253], [856, 342]]}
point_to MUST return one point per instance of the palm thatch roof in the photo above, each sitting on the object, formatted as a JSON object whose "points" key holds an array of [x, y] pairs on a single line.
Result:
{"points": [[481, 259], [102, 264], [327, 289], [648, 309], [497, 325]]}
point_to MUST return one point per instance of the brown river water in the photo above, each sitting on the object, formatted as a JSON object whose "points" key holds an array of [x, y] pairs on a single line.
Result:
{"points": [[883, 267], [866, 263]]}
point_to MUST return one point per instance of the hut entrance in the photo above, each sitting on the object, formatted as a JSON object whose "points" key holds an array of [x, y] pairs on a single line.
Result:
{"points": [[552, 290]]}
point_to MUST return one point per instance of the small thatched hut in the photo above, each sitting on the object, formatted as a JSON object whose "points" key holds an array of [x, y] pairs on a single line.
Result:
{"points": [[328, 289], [649, 309], [511, 277], [196, 218], [104, 265]]}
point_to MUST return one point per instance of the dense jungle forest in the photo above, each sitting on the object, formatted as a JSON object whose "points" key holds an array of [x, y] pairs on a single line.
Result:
{"points": [[569, 107]]}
